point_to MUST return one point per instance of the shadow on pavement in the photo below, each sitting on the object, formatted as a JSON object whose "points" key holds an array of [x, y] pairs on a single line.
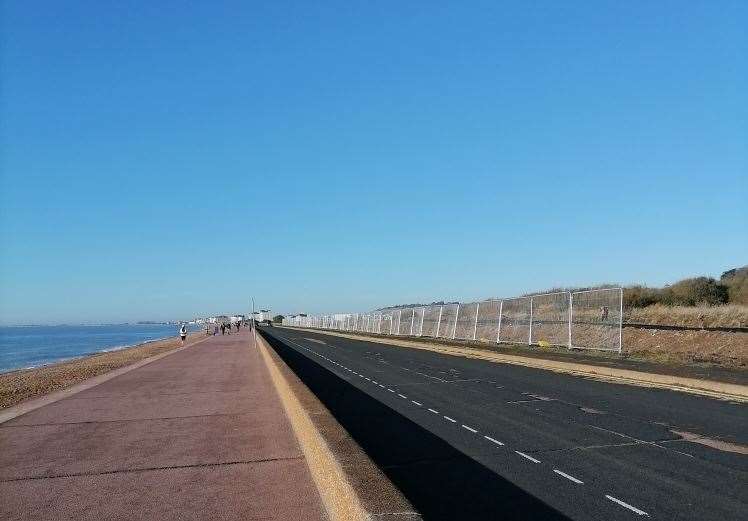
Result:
{"points": [[441, 482]]}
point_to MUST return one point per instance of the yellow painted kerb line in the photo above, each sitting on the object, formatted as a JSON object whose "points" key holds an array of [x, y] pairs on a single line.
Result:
{"points": [[338, 496]]}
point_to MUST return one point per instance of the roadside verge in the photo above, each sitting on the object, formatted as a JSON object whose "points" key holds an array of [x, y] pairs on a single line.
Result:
{"points": [[352, 487], [704, 387]]}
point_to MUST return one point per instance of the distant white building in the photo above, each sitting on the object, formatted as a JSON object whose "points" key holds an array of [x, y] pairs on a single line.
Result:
{"points": [[263, 314]]}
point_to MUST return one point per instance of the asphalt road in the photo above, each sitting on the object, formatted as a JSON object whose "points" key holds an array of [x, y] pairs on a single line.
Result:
{"points": [[470, 439]]}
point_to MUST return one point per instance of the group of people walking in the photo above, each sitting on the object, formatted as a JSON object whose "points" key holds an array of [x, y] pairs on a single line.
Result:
{"points": [[225, 328]]}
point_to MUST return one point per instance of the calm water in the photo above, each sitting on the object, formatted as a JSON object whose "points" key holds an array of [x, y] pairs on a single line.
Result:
{"points": [[32, 346]]}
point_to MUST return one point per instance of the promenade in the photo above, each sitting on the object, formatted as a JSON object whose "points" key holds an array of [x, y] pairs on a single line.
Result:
{"points": [[199, 434]]}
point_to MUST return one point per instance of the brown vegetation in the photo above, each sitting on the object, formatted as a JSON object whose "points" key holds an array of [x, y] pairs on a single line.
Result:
{"points": [[672, 346], [694, 316]]}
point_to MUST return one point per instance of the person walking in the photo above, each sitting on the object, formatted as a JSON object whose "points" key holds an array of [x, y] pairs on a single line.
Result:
{"points": [[215, 330], [183, 333], [223, 328]]}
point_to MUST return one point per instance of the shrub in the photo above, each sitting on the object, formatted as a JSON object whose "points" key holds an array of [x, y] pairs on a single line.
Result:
{"points": [[641, 297], [736, 281], [698, 290]]}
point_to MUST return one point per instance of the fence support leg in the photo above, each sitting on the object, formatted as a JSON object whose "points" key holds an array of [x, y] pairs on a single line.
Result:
{"points": [[423, 315], [529, 342], [439, 322], [501, 312], [571, 314], [457, 316], [475, 325], [620, 324]]}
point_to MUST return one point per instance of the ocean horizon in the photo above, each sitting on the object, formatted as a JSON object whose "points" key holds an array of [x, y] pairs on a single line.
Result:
{"points": [[30, 346]]}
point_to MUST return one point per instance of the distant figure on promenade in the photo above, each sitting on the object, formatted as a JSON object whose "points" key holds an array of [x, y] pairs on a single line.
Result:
{"points": [[183, 333], [223, 328], [228, 328], [215, 330], [237, 326]]}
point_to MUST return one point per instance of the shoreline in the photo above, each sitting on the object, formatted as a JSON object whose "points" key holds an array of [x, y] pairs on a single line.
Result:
{"points": [[19, 385], [79, 357]]}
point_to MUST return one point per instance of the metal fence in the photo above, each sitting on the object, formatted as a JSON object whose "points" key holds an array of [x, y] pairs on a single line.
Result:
{"points": [[578, 319]]}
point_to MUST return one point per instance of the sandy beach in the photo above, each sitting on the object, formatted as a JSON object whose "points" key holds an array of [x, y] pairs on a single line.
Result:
{"points": [[17, 386]]}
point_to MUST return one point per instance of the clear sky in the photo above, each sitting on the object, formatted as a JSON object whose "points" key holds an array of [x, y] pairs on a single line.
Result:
{"points": [[167, 159]]}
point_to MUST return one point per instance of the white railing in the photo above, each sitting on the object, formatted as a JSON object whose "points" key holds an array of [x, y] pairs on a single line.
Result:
{"points": [[590, 319]]}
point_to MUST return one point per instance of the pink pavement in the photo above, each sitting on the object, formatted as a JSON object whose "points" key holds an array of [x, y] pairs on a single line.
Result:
{"points": [[200, 434]]}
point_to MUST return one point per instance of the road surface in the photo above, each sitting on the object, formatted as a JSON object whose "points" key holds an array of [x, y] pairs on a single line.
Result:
{"points": [[470, 439]]}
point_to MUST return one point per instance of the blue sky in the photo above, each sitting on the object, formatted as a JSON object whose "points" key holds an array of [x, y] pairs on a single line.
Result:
{"points": [[162, 160]]}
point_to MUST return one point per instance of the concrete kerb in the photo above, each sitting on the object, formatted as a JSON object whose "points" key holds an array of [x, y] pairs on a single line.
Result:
{"points": [[710, 388], [35, 403], [317, 431]]}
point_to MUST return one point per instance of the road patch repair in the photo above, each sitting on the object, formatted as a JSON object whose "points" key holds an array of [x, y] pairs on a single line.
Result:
{"points": [[700, 386]]}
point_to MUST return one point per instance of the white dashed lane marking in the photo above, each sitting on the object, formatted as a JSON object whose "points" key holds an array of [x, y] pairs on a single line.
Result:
{"points": [[489, 438], [570, 478], [626, 505], [475, 431], [527, 457]]}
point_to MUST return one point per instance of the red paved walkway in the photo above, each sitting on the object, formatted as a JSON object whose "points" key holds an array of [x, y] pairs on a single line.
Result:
{"points": [[199, 434]]}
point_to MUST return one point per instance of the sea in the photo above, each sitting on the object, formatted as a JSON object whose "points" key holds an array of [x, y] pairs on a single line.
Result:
{"points": [[23, 347]]}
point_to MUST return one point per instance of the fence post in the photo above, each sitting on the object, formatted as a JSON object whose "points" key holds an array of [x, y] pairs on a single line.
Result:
{"points": [[399, 320], [457, 315], [392, 320], [571, 314], [412, 319], [501, 312], [475, 326], [423, 315], [620, 325], [439, 322], [530, 340]]}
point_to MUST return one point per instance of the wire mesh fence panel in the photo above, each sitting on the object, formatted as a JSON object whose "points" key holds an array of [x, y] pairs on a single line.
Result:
{"points": [[487, 325], [417, 320], [465, 326], [447, 323], [550, 319], [514, 326], [406, 318], [596, 319], [386, 324], [430, 321]]}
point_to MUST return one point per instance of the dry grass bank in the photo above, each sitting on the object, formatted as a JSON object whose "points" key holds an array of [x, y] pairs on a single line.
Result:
{"points": [[729, 315], [687, 347], [17, 386]]}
